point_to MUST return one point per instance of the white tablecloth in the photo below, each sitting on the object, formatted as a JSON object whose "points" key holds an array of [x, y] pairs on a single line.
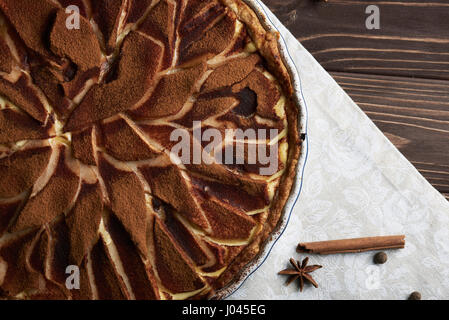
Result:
{"points": [[356, 184]]}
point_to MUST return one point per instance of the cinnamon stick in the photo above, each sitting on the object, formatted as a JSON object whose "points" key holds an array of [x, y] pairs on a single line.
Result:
{"points": [[353, 245]]}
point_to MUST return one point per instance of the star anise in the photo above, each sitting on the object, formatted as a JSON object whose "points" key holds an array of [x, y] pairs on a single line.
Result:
{"points": [[301, 271]]}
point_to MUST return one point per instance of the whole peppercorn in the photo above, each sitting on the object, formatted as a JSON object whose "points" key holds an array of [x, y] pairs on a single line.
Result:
{"points": [[415, 296], [380, 258]]}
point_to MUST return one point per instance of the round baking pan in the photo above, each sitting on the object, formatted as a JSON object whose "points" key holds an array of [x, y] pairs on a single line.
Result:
{"points": [[252, 267]]}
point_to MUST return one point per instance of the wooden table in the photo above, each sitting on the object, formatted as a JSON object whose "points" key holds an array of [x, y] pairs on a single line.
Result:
{"points": [[398, 74]]}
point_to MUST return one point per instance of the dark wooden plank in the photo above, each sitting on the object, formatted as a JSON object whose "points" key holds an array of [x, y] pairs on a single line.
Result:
{"points": [[413, 114], [413, 39], [386, 71]]}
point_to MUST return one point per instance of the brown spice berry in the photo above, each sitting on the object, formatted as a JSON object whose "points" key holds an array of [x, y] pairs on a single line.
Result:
{"points": [[415, 296], [380, 258]]}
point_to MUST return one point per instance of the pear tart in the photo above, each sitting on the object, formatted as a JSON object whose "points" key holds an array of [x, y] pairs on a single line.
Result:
{"points": [[94, 203]]}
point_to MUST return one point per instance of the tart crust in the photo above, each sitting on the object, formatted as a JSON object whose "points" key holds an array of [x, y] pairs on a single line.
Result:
{"points": [[267, 43]]}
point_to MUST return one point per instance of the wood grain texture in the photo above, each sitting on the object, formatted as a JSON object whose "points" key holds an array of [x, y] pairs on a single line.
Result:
{"points": [[413, 39], [399, 74]]}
